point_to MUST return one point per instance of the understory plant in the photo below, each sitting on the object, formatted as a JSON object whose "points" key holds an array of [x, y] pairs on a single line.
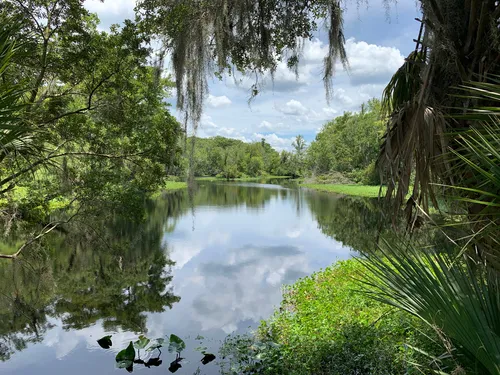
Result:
{"points": [[456, 292]]}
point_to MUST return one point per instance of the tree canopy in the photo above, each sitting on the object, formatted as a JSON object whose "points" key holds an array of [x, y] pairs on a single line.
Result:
{"points": [[251, 37], [84, 115]]}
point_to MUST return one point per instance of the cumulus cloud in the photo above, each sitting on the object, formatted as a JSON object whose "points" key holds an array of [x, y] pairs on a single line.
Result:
{"points": [[341, 96], [266, 125], [370, 63], [294, 108], [243, 284], [275, 141], [329, 112], [272, 127], [218, 101]]}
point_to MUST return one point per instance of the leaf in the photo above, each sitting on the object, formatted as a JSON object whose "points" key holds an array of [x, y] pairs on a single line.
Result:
{"points": [[105, 342], [126, 355], [142, 342], [207, 358], [127, 365], [157, 344], [176, 344]]}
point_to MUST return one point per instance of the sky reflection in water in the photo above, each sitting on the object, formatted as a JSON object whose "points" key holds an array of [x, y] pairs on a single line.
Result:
{"points": [[234, 246]]}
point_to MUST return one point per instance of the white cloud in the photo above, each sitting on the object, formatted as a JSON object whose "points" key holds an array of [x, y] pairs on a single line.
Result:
{"points": [[272, 127], [206, 122], [266, 125], [218, 101], [240, 288], [341, 96], [275, 141], [294, 108], [370, 63], [314, 51], [329, 112]]}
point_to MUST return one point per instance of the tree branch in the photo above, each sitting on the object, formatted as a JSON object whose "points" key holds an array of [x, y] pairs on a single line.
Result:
{"points": [[41, 161], [46, 230]]}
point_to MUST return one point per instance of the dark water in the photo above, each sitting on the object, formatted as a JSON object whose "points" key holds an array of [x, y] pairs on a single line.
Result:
{"points": [[208, 264]]}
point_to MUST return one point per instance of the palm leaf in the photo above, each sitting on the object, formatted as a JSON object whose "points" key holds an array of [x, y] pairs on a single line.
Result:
{"points": [[459, 303]]}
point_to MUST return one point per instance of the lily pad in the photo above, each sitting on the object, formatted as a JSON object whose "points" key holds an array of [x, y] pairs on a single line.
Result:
{"points": [[176, 344], [142, 342], [156, 344], [105, 342], [126, 355], [208, 357], [127, 365]]}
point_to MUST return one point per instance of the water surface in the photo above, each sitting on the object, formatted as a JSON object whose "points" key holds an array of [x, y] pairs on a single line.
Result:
{"points": [[201, 266]]}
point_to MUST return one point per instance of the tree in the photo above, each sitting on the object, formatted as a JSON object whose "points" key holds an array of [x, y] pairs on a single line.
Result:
{"points": [[207, 38], [93, 128], [255, 166], [457, 42], [349, 144], [299, 145]]}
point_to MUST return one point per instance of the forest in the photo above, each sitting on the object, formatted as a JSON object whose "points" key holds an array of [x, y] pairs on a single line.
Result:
{"points": [[345, 149], [89, 141]]}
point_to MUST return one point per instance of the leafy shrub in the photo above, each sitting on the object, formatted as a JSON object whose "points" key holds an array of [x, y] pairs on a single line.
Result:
{"points": [[333, 178]]}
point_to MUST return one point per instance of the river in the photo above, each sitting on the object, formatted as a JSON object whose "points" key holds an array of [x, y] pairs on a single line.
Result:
{"points": [[200, 266]]}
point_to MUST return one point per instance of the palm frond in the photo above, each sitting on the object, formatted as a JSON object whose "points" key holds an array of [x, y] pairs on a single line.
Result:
{"points": [[460, 302], [404, 84], [413, 124], [15, 135]]}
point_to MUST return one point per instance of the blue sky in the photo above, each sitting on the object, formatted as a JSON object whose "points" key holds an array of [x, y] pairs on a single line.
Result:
{"points": [[378, 39]]}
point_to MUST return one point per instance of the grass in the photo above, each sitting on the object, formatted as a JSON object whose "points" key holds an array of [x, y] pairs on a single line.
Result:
{"points": [[355, 190], [174, 185]]}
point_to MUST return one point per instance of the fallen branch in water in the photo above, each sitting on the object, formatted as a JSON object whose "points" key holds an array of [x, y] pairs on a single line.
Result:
{"points": [[46, 230]]}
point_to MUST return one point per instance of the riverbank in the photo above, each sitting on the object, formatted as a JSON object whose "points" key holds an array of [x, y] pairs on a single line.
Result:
{"points": [[241, 178], [174, 185], [325, 325], [367, 191]]}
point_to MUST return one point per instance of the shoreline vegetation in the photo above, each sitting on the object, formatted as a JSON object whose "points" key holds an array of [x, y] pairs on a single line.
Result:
{"points": [[258, 178], [367, 191], [325, 325], [174, 185]]}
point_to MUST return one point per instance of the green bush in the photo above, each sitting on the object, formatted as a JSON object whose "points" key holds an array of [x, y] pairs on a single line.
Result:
{"points": [[333, 178], [326, 326]]}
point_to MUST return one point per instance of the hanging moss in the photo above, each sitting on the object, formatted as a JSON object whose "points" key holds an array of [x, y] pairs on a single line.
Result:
{"points": [[207, 38]]}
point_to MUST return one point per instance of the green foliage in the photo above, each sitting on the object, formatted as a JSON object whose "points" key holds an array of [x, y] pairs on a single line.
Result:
{"points": [[356, 190], [142, 342], [176, 344], [101, 137], [458, 301], [349, 144], [455, 291], [325, 326], [125, 357], [231, 158]]}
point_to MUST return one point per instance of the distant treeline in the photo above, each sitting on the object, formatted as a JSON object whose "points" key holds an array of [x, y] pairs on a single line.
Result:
{"points": [[344, 150]]}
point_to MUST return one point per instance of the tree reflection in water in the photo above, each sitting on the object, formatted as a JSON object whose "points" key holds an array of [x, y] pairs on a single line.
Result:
{"points": [[114, 271]]}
